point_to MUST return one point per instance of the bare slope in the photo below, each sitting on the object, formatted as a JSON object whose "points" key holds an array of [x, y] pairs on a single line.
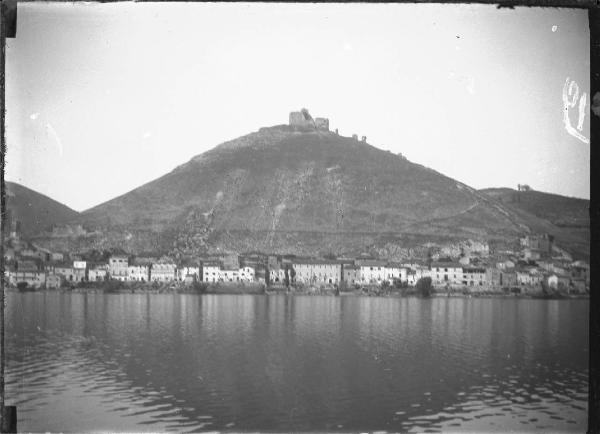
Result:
{"points": [[35, 211], [567, 218], [559, 210], [280, 189]]}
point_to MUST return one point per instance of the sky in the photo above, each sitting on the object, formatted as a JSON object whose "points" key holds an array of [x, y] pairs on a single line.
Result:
{"points": [[102, 98]]}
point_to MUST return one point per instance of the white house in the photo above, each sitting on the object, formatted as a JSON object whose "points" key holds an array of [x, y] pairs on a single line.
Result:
{"points": [[395, 271], [210, 272], [163, 272], [372, 271], [446, 273], [247, 274], [138, 273], [229, 275], [276, 274], [558, 281], [317, 271], [190, 272], [117, 267], [79, 265], [98, 273]]}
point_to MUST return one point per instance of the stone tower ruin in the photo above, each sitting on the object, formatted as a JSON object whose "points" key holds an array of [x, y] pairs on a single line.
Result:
{"points": [[303, 119]]}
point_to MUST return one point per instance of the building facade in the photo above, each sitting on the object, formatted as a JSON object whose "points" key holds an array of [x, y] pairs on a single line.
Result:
{"points": [[317, 271], [395, 272], [247, 274], [446, 273], [351, 274], [138, 273], [474, 276], [189, 272], [210, 272], [373, 271], [118, 267], [163, 272], [98, 273]]}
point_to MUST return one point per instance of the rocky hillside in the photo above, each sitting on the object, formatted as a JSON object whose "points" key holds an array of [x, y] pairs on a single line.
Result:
{"points": [[283, 189], [34, 211]]}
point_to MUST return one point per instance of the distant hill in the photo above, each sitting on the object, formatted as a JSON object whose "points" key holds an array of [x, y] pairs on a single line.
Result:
{"points": [[290, 190], [567, 218], [559, 210], [34, 211]]}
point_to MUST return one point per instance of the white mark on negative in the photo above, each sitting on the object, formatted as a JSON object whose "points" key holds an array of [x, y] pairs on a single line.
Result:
{"points": [[52, 133], [570, 96]]}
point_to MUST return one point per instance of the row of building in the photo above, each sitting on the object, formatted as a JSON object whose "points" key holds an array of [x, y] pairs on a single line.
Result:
{"points": [[277, 270], [539, 261]]}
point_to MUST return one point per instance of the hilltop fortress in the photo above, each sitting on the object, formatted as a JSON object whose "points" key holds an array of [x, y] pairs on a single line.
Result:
{"points": [[303, 119]]}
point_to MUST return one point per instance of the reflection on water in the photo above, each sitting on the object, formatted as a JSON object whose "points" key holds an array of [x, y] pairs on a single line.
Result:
{"points": [[132, 362]]}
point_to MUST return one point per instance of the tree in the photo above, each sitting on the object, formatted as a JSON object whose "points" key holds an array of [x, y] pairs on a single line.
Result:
{"points": [[424, 286]]}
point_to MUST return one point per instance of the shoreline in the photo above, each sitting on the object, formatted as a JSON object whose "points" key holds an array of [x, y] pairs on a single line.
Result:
{"points": [[260, 289]]}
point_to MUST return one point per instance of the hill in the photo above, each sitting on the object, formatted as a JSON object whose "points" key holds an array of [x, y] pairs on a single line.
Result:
{"points": [[35, 211], [559, 210], [300, 190], [567, 218]]}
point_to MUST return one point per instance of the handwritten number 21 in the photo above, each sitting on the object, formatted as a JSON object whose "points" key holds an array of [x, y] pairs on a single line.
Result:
{"points": [[570, 96]]}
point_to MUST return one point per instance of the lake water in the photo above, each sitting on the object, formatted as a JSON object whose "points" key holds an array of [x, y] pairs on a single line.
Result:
{"points": [[150, 362]]}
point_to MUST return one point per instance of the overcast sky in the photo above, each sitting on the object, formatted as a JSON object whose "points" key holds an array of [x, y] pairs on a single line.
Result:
{"points": [[102, 98]]}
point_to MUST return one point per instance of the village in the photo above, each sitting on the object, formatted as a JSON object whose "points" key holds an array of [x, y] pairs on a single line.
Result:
{"points": [[537, 267]]}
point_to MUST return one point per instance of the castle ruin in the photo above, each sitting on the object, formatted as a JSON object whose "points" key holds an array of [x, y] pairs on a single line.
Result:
{"points": [[523, 187], [303, 119]]}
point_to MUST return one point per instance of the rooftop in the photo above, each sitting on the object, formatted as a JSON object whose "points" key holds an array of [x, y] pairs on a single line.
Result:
{"points": [[309, 261], [446, 265]]}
